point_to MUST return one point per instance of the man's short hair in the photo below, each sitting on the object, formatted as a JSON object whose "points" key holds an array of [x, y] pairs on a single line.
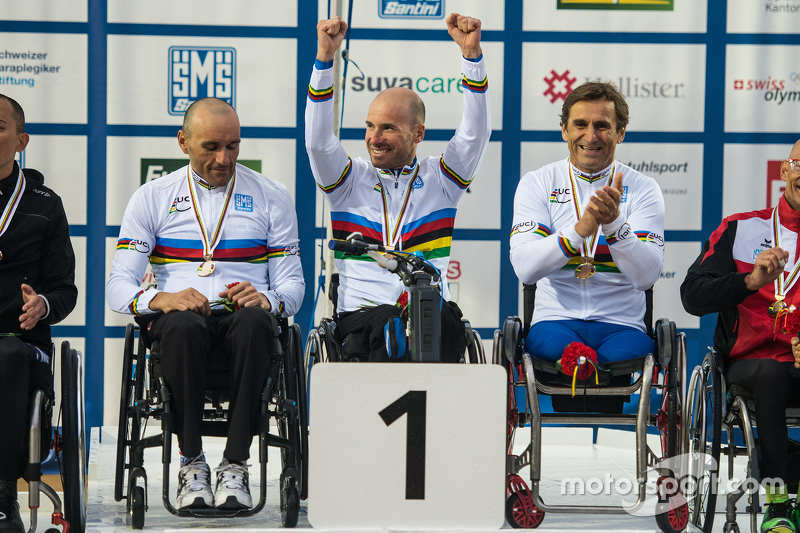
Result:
{"points": [[216, 105], [596, 90], [19, 114]]}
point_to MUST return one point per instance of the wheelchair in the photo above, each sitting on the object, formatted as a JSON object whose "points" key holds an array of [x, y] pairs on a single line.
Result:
{"points": [[524, 505], [67, 444], [146, 395], [713, 406]]}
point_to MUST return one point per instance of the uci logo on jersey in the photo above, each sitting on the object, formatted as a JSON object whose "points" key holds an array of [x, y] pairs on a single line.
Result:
{"points": [[200, 72], [426, 9]]}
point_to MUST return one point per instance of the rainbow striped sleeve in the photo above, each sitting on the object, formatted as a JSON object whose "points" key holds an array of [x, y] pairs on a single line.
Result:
{"points": [[327, 189], [320, 95], [642, 235], [133, 307], [450, 174], [475, 86], [124, 244], [542, 230], [566, 247]]}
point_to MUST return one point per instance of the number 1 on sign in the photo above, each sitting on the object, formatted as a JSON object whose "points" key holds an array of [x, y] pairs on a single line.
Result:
{"points": [[412, 403]]}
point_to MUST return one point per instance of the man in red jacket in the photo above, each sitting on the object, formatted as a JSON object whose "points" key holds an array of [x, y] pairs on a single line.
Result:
{"points": [[747, 273]]}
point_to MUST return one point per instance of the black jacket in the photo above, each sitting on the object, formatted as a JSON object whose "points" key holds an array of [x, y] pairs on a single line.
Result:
{"points": [[36, 250]]}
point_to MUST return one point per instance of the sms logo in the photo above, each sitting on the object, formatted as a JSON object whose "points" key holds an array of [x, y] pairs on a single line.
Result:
{"points": [[196, 72]]}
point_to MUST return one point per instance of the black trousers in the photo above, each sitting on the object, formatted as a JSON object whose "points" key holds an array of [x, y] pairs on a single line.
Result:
{"points": [[368, 325], [183, 340], [773, 385], [20, 375]]}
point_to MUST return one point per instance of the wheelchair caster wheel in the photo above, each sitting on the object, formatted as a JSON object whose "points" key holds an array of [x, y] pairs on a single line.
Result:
{"points": [[290, 506], [675, 515], [518, 516], [137, 508]]}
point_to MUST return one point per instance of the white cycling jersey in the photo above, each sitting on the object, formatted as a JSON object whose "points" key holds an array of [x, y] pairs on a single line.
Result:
{"points": [[545, 246], [258, 243], [412, 209]]}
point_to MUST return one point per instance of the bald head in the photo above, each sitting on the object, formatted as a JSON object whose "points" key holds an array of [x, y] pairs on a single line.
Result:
{"points": [[795, 153], [405, 101], [206, 106]]}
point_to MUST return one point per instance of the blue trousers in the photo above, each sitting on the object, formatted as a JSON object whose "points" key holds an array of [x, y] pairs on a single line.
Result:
{"points": [[612, 342]]}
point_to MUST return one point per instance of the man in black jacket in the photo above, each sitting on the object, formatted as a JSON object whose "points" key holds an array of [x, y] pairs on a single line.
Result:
{"points": [[37, 288]]}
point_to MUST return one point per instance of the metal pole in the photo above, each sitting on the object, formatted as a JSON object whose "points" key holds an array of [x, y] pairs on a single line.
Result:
{"points": [[327, 263]]}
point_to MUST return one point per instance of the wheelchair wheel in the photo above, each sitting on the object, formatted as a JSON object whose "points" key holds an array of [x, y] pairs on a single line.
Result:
{"points": [[675, 517], [669, 414], [128, 430], [137, 508], [705, 429], [518, 518], [293, 429], [290, 506], [73, 453], [302, 406]]}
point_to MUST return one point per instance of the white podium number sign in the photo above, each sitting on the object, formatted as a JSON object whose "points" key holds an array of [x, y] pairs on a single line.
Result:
{"points": [[407, 446], [412, 404]]}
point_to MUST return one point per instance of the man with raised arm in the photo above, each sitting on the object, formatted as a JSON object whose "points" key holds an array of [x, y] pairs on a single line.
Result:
{"points": [[211, 230], [588, 231], [747, 273], [393, 198], [37, 289]]}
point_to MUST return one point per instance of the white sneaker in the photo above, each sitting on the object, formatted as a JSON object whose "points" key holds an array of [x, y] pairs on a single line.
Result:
{"points": [[194, 485], [233, 487]]}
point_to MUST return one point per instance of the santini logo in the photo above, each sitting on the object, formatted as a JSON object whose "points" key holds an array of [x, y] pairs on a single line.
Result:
{"points": [[428, 9], [196, 73], [655, 5]]}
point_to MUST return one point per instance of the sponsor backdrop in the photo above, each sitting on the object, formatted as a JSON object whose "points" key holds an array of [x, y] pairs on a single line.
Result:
{"points": [[713, 87]]}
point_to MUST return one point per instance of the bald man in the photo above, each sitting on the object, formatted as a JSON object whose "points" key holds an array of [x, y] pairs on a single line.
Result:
{"points": [[393, 198], [745, 274], [211, 230]]}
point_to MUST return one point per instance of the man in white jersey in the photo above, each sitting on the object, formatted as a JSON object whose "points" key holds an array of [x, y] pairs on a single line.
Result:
{"points": [[588, 231], [210, 231], [393, 198]]}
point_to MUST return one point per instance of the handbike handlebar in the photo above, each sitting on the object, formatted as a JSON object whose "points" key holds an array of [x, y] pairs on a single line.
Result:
{"points": [[401, 263]]}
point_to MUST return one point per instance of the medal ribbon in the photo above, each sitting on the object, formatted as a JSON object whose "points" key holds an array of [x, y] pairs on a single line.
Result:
{"points": [[208, 248], [589, 248], [783, 285], [11, 207], [394, 237]]}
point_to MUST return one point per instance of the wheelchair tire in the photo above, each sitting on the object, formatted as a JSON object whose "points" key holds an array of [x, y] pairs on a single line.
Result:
{"points": [[125, 404], [516, 516], [326, 335], [290, 506], [302, 406], [706, 408], [667, 338], [137, 508], [291, 383], [73, 452]]}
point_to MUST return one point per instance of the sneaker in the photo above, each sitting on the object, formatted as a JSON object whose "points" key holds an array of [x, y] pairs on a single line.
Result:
{"points": [[233, 486], [194, 486], [778, 518], [10, 520]]}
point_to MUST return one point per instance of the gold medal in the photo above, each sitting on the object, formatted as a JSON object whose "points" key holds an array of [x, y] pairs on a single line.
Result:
{"points": [[1, 256], [205, 269], [586, 269], [775, 308]]}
